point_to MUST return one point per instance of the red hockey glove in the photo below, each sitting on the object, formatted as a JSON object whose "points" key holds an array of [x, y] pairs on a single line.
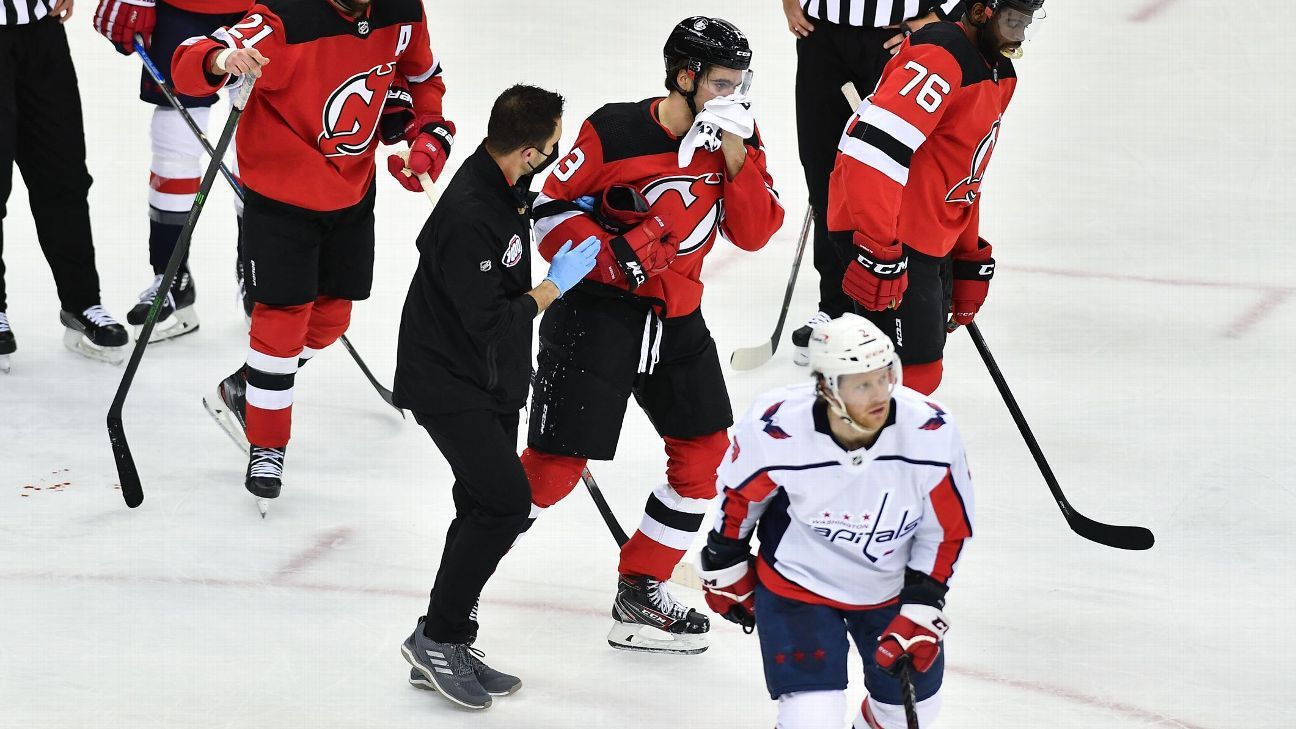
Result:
{"points": [[915, 633], [120, 20], [397, 113], [971, 284], [878, 276], [730, 592], [427, 155]]}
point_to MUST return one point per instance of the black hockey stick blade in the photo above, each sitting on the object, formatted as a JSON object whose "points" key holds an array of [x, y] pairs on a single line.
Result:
{"points": [[748, 358], [131, 489], [383, 392], [1118, 537]]}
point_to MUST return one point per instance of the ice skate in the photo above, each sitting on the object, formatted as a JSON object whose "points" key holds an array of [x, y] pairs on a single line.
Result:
{"points": [[649, 619], [228, 407], [8, 345], [801, 338], [177, 316], [446, 668], [95, 334], [264, 475]]}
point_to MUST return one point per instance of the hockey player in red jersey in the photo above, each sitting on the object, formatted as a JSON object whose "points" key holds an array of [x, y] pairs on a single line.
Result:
{"points": [[663, 177], [323, 70], [859, 493], [904, 197]]}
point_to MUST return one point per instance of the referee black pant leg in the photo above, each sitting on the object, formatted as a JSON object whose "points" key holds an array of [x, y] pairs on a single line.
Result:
{"points": [[492, 502], [51, 154], [9, 50]]}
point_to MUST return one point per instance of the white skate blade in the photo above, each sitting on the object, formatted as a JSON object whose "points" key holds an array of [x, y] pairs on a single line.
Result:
{"points": [[4, 363], [181, 322], [228, 422], [801, 356], [75, 341], [637, 637]]}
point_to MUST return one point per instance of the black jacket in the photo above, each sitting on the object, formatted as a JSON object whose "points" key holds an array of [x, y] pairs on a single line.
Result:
{"points": [[465, 333]]}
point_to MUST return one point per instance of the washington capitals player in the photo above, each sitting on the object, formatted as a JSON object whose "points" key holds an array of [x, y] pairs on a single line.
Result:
{"points": [[634, 324], [174, 170], [860, 495], [905, 196], [306, 155]]}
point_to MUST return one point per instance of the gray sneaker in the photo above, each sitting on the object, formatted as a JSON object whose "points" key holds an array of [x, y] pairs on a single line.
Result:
{"points": [[447, 667], [496, 683]]}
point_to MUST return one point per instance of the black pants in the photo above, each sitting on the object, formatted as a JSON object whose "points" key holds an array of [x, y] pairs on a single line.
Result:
{"points": [[42, 131], [826, 59], [492, 502]]}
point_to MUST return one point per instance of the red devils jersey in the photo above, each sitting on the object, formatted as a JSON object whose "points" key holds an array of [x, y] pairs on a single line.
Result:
{"points": [[308, 133], [625, 144], [911, 161], [211, 7]]}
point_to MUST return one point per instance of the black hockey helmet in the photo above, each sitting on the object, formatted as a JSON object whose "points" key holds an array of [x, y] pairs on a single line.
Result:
{"points": [[703, 41], [1026, 6]]}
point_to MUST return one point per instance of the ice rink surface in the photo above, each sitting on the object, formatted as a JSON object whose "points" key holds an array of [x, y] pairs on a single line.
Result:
{"points": [[1139, 203]]}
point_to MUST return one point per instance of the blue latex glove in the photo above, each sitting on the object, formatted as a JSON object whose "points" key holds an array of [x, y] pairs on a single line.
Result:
{"points": [[570, 265], [586, 203]]}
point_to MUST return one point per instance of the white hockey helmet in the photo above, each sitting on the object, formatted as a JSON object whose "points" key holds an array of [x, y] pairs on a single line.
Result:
{"points": [[850, 344]]}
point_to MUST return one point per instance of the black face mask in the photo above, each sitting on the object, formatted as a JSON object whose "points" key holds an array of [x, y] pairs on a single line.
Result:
{"points": [[550, 157]]}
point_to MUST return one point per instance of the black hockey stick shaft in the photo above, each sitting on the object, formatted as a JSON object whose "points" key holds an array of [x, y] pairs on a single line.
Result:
{"points": [[1120, 537], [184, 113], [127, 473], [153, 71], [907, 694], [609, 518]]}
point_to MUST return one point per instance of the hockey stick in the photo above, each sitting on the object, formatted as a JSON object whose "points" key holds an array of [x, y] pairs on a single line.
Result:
{"points": [[1120, 537], [685, 574], [908, 695], [153, 71], [132, 492], [752, 357]]}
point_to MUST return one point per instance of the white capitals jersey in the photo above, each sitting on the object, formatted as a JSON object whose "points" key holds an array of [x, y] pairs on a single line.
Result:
{"points": [[839, 527]]}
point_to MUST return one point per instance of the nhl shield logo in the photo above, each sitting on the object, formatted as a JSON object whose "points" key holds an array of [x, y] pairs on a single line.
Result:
{"points": [[484, 266], [512, 254], [363, 27]]}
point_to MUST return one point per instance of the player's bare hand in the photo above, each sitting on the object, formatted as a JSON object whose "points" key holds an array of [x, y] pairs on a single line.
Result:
{"points": [[909, 26], [735, 153], [62, 10], [796, 19], [240, 62]]}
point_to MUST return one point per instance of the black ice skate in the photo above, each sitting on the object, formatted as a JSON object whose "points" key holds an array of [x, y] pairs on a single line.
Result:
{"points": [[649, 619], [8, 345], [801, 337], [447, 668], [95, 334], [264, 475], [228, 407], [177, 316]]}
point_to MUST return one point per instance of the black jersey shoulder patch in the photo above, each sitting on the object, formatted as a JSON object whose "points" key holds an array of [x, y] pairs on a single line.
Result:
{"points": [[309, 20], [628, 130], [974, 66]]}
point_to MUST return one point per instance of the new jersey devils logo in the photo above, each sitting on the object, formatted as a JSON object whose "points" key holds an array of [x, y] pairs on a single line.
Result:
{"points": [[693, 194], [967, 190], [351, 113]]}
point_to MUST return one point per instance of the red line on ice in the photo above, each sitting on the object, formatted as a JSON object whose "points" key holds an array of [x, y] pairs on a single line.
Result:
{"points": [[1267, 303], [1151, 10], [1132, 712], [326, 541]]}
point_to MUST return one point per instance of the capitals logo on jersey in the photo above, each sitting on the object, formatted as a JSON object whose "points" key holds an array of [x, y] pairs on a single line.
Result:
{"points": [[936, 421], [771, 429], [692, 192], [351, 112], [967, 190]]}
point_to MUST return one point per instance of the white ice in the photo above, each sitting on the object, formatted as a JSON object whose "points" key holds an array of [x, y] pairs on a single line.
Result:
{"points": [[1140, 207]]}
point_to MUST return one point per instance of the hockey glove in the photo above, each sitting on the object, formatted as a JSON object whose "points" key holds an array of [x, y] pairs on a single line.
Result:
{"points": [[971, 284], [120, 20], [630, 259], [397, 113], [915, 634], [427, 155], [730, 592], [878, 276], [570, 265]]}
